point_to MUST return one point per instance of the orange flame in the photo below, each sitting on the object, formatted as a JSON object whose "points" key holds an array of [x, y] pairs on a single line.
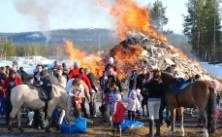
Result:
{"points": [[130, 16], [126, 58], [91, 61]]}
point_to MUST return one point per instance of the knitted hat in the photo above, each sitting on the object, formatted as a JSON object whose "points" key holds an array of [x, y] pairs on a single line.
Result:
{"points": [[76, 64], [118, 97]]}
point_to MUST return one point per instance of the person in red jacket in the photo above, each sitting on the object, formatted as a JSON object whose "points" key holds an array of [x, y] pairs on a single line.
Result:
{"points": [[84, 77], [118, 114], [75, 71], [11, 81], [2, 99]]}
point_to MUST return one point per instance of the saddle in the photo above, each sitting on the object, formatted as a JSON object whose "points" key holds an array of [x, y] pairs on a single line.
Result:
{"points": [[179, 85], [42, 95]]}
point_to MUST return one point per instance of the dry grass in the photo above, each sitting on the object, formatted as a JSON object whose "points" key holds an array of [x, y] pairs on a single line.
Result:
{"points": [[105, 131]]}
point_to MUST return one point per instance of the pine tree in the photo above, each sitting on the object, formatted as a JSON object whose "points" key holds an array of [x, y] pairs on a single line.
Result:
{"points": [[158, 15], [202, 27]]}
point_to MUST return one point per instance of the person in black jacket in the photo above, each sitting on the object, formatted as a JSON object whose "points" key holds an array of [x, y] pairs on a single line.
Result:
{"points": [[155, 88], [37, 77], [45, 87], [140, 81], [132, 81], [92, 80], [112, 78]]}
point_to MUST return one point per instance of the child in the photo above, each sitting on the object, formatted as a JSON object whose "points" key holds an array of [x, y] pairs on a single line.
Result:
{"points": [[77, 91], [113, 92], [133, 103], [139, 105], [118, 114], [109, 101]]}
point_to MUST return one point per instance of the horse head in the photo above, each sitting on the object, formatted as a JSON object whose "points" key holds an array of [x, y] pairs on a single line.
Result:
{"points": [[63, 100], [167, 79]]}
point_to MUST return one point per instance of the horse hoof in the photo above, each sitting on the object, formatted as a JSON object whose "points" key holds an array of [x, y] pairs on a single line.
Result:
{"points": [[21, 130], [48, 130], [10, 129], [57, 127], [171, 133]]}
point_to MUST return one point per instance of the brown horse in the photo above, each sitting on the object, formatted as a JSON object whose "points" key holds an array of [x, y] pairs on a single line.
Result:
{"points": [[198, 94]]}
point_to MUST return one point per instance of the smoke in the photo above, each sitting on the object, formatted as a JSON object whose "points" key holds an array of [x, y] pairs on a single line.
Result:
{"points": [[39, 10]]}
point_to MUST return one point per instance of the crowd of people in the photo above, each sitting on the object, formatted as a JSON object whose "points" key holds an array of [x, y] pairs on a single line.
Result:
{"points": [[145, 88]]}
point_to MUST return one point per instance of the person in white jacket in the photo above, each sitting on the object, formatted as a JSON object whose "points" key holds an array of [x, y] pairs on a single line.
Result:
{"points": [[134, 103]]}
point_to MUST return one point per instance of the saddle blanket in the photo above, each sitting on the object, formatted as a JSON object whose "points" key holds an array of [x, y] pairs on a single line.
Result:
{"points": [[178, 86]]}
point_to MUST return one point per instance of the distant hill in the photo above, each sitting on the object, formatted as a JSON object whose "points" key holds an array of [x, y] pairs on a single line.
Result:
{"points": [[83, 37], [93, 38]]}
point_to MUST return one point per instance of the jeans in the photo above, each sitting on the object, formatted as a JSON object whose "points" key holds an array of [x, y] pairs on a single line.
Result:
{"points": [[92, 105], [2, 106], [83, 108]]}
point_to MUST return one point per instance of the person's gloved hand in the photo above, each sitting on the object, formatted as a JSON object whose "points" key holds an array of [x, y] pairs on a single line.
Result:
{"points": [[39, 83], [70, 94]]}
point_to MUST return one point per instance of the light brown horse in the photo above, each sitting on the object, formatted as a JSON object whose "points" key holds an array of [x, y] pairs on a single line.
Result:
{"points": [[198, 94], [25, 96]]}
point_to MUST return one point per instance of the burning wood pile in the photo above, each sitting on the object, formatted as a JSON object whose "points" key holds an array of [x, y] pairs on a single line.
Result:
{"points": [[141, 46], [140, 50]]}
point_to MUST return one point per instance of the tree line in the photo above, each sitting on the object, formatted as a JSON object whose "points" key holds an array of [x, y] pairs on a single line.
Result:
{"points": [[202, 26], [8, 49]]}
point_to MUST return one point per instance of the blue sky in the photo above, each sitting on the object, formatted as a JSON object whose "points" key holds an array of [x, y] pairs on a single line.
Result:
{"points": [[31, 15]]}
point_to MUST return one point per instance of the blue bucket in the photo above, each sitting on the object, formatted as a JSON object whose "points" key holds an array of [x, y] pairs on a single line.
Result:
{"points": [[131, 123], [78, 127]]}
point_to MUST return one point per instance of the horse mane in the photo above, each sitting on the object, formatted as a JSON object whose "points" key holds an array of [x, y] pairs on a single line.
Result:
{"points": [[167, 77], [53, 79]]}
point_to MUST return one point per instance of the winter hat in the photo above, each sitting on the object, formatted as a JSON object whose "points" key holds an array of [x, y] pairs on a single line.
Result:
{"points": [[76, 64], [118, 97], [111, 60]]}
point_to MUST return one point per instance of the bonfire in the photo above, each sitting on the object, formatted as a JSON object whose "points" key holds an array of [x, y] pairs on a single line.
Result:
{"points": [[141, 45]]}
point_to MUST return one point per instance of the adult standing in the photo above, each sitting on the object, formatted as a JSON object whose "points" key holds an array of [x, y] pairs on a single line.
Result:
{"points": [[2, 98], [93, 92], [75, 71], [10, 82], [155, 88], [37, 122], [65, 70], [140, 81], [37, 71], [132, 81]]}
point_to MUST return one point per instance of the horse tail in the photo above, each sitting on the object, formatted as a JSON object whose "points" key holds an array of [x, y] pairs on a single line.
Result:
{"points": [[211, 109]]}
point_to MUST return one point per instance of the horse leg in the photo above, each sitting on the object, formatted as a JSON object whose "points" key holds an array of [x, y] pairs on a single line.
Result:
{"points": [[50, 110], [181, 112], [62, 115], [173, 115], [19, 122], [30, 117], [203, 117], [12, 116]]}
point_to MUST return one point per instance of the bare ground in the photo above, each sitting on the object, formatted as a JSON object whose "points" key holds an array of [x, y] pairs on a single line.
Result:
{"points": [[101, 129]]}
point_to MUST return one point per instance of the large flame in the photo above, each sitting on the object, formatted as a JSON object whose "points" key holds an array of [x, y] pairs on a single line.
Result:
{"points": [[92, 61], [130, 16], [126, 58]]}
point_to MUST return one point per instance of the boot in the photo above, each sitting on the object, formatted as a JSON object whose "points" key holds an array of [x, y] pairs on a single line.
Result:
{"points": [[151, 124], [157, 123]]}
